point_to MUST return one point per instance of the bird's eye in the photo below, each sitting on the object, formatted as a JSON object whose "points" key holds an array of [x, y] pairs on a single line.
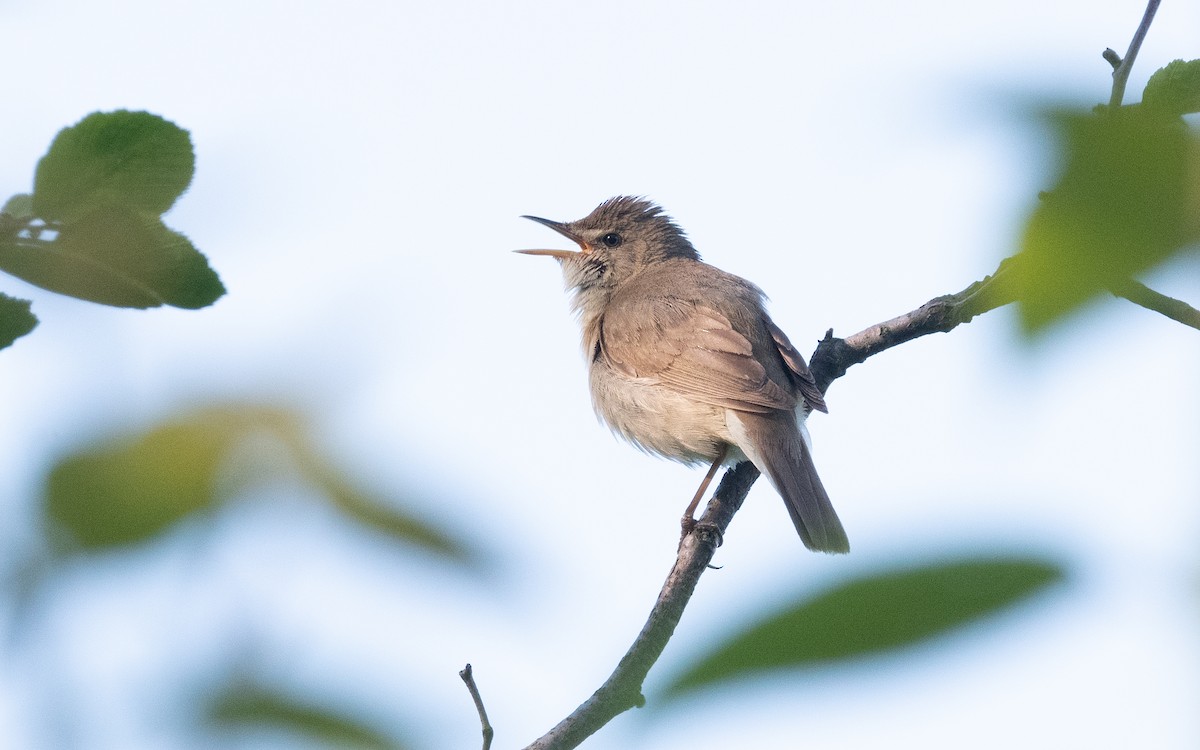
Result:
{"points": [[612, 239]]}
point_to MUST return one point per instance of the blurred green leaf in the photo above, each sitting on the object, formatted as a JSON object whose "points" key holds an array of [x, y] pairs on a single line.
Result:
{"points": [[135, 159], [127, 490], [871, 615], [16, 320], [19, 206], [242, 708], [1121, 205], [117, 256], [1174, 90], [376, 512]]}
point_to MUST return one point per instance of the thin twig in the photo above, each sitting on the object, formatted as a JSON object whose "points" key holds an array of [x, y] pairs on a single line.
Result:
{"points": [[1130, 289], [468, 676], [1140, 294], [1121, 71], [939, 315]]}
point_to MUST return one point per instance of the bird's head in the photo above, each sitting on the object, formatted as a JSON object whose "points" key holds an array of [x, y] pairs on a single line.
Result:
{"points": [[619, 238]]}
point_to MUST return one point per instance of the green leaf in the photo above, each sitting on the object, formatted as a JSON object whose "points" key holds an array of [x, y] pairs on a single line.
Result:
{"points": [[116, 256], [1175, 89], [127, 490], [92, 230], [380, 515], [368, 509], [1120, 207], [871, 615], [15, 319], [246, 707], [19, 206], [132, 158]]}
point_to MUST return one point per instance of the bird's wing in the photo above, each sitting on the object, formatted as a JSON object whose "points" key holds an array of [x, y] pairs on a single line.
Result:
{"points": [[805, 382], [689, 348]]}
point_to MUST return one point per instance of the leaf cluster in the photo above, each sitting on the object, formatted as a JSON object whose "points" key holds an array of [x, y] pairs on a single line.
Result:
{"points": [[92, 228], [117, 495], [128, 490], [1126, 199]]}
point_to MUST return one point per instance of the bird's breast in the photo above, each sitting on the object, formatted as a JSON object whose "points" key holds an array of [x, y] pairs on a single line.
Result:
{"points": [[656, 418]]}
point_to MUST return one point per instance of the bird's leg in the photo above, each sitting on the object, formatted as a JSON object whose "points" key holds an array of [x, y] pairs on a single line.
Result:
{"points": [[688, 522]]}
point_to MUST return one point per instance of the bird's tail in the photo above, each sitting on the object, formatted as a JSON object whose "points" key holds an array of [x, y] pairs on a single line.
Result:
{"points": [[774, 444]]}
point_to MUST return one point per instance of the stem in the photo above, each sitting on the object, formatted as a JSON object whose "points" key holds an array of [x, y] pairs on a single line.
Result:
{"points": [[1121, 72], [468, 676], [835, 356], [1140, 294]]}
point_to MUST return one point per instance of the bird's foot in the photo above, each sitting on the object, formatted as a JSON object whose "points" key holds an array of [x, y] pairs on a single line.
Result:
{"points": [[687, 525]]}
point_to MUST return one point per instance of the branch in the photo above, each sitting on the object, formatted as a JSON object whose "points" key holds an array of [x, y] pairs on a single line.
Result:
{"points": [[623, 689], [835, 356], [469, 677], [832, 358], [1140, 294], [1121, 68]]}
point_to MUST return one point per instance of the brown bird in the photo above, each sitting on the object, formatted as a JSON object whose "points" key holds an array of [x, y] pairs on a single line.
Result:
{"points": [[684, 361]]}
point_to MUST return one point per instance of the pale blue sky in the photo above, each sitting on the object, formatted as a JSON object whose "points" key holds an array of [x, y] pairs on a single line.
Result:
{"points": [[360, 170]]}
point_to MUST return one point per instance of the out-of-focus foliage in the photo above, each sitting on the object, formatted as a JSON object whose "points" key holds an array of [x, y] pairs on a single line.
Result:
{"points": [[118, 493], [127, 490], [16, 320], [92, 227], [1174, 89], [244, 708], [1127, 198], [870, 615], [18, 207]]}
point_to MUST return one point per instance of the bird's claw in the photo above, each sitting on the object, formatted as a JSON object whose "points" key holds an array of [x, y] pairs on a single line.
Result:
{"points": [[687, 525]]}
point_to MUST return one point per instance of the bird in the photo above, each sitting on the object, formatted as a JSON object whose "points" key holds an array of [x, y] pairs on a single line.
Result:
{"points": [[685, 363]]}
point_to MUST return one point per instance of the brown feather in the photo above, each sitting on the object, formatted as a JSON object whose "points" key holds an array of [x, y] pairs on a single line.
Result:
{"points": [[691, 349], [804, 380]]}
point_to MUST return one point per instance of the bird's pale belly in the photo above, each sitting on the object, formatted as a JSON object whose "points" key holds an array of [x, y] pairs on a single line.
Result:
{"points": [[658, 419]]}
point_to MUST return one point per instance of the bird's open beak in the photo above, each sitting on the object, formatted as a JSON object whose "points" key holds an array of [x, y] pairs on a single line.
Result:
{"points": [[584, 247]]}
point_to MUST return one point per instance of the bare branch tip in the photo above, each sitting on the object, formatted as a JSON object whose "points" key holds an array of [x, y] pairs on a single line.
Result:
{"points": [[1121, 69], [1143, 296], [468, 677]]}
